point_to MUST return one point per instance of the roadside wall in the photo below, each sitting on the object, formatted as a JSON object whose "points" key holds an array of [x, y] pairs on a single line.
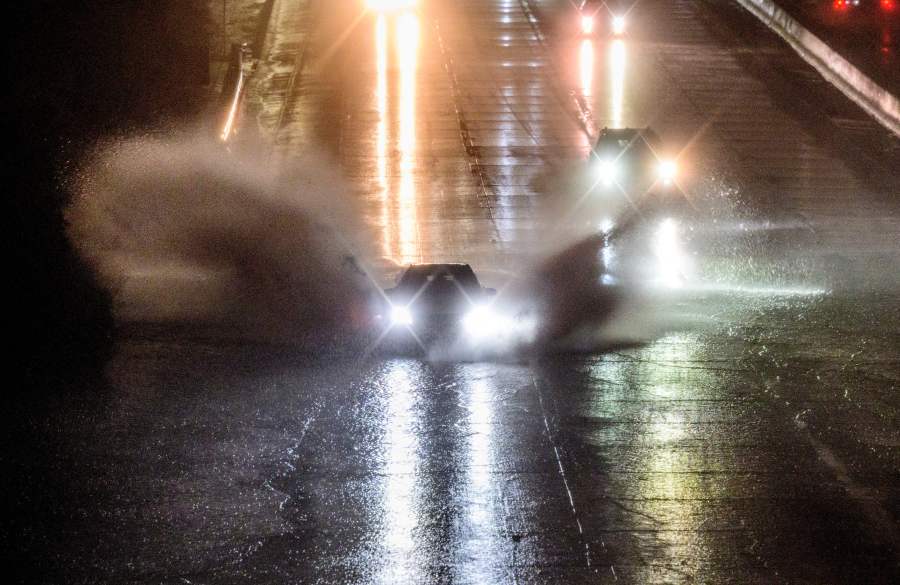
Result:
{"points": [[873, 98]]}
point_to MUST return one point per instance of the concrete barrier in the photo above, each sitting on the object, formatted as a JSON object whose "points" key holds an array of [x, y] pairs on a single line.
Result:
{"points": [[239, 68], [856, 85], [241, 65], [262, 28]]}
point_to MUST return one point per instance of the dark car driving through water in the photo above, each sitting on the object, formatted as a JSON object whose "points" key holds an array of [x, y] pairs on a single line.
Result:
{"points": [[439, 305]]}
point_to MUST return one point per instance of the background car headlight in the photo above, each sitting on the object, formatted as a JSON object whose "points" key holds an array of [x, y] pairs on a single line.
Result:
{"points": [[401, 316], [618, 25], [587, 24], [667, 170]]}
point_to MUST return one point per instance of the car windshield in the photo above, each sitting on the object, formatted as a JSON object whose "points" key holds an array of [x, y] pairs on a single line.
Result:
{"points": [[440, 285], [440, 277], [631, 147], [633, 152]]}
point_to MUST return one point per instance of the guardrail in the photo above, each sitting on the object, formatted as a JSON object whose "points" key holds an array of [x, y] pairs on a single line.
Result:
{"points": [[240, 66], [262, 28], [855, 84]]}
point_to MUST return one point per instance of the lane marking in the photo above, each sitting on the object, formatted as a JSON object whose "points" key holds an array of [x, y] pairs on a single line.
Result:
{"points": [[562, 473], [880, 519], [464, 134]]}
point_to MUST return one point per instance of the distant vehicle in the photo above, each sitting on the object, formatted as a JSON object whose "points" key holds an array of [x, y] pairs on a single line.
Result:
{"points": [[434, 303], [633, 161], [594, 13], [646, 219]]}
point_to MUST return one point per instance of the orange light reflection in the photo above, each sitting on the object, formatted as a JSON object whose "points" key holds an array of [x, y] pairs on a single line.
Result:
{"points": [[617, 83], [390, 5], [586, 66], [407, 54], [399, 220], [381, 131]]}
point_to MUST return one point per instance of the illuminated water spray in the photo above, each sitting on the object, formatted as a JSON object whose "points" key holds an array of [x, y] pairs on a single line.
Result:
{"points": [[673, 263]]}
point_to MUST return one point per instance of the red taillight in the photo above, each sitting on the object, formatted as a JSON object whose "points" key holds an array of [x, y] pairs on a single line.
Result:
{"points": [[888, 5]]}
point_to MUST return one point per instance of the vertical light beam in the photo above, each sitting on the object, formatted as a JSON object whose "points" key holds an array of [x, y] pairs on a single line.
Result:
{"points": [[586, 67], [381, 64], [407, 56], [617, 83]]}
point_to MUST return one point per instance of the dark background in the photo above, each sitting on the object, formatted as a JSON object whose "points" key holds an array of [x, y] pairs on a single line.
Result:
{"points": [[81, 71], [78, 72]]}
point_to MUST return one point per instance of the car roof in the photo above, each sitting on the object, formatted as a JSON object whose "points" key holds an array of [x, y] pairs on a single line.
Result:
{"points": [[646, 133], [449, 266], [456, 271], [632, 142], [620, 132]]}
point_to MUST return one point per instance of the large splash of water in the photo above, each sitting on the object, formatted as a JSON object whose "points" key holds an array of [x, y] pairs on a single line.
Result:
{"points": [[182, 231]]}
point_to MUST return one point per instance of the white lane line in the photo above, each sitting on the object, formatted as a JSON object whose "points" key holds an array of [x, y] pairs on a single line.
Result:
{"points": [[488, 195], [562, 473], [880, 519]]}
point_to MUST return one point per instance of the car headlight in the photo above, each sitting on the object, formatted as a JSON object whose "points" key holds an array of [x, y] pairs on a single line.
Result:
{"points": [[587, 24], [618, 25], [401, 316], [608, 172], [481, 322], [667, 170]]}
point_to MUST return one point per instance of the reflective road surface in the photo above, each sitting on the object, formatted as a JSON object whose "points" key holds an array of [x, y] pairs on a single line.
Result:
{"points": [[749, 434]]}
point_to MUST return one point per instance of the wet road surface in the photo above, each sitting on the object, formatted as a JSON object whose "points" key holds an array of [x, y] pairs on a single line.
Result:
{"points": [[752, 438]]}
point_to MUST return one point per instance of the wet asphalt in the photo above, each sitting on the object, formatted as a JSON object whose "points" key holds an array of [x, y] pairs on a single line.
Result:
{"points": [[749, 434]]}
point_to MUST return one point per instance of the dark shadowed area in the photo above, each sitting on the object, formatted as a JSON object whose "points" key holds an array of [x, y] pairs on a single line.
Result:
{"points": [[79, 71], [82, 71]]}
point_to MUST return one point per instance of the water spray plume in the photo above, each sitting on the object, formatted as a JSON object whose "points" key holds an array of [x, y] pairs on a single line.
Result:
{"points": [[182, 231]]}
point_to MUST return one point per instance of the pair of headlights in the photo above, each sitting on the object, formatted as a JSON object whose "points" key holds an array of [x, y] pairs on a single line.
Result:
{"points": [[618, 25], [479, 322], [609, 171]]}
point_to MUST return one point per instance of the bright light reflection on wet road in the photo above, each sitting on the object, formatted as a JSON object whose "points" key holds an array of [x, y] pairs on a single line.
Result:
{"points": [[481, 487], [407, 55], [399, 216], [586, 67], [617, 82], [400, 452]]}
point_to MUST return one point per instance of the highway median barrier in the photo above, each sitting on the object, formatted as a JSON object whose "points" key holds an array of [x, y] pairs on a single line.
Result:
{"points": [[874, 99], [242, 62], [240, 67]]}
